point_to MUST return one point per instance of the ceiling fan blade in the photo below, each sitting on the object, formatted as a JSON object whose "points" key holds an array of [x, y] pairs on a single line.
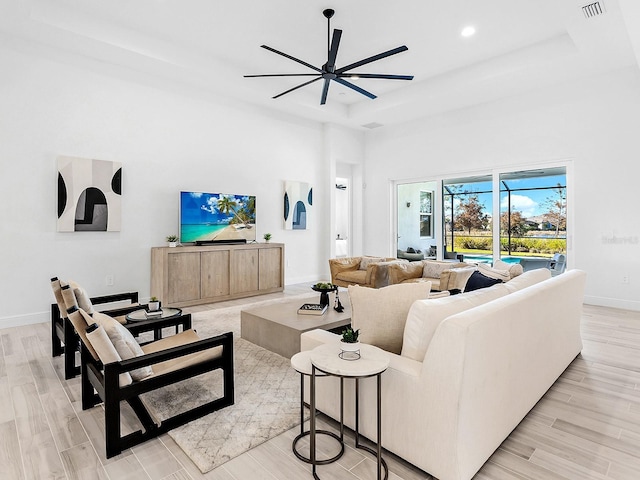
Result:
{"points": [[291, 58], [325, 90], [283, 75], [355, 87], [380, 56], [333, 53], [375, 75], [297, 87]]}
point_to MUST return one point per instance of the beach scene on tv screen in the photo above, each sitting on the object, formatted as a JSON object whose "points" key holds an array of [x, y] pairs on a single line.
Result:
{"points": [[216, 216]]}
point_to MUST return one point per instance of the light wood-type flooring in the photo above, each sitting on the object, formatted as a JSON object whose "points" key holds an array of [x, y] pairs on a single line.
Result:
{"points": [[587, 426]]}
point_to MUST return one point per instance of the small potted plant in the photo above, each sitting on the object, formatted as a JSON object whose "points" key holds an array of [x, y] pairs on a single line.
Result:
{"points": [[349, 344], [173, 240], [267, 237], [154, 304]]}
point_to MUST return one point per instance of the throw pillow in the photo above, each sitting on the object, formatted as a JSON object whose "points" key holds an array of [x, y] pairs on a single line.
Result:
{"points": [[366, 261], [106, 351], [380, 314], [455, 278], [488, 271], [477, 281], [515, 269], [432, 269], [123, 341], [84, 302], [410, 250]]}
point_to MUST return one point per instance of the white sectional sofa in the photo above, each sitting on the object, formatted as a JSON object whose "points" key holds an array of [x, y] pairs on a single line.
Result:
{"points": [[471, 367]]}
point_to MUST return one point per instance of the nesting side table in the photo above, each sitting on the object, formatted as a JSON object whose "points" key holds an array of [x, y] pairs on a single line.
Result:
{"points": [[373, 362], [301, 363]]}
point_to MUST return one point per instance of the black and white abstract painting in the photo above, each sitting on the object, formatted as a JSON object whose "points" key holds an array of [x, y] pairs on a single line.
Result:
{"points": [[298, 199], [89, 195]]}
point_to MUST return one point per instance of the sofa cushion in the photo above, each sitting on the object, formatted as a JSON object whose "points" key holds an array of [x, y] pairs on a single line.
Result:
{"points": [[527, 279], [425, 316], [366, 261], [478, 280], [357, 277], [400, 272], [380, 314]]}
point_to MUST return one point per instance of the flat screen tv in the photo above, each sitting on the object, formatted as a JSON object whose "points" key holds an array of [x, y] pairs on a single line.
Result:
{"points": [[217, 218]]}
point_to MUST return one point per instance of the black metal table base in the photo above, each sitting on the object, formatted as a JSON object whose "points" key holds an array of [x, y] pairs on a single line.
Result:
{"points": [[304, 433]]}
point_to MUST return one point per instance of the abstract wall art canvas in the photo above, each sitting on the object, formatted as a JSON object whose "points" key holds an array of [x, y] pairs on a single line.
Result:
{"points": [[89, 195], [298, 199]]}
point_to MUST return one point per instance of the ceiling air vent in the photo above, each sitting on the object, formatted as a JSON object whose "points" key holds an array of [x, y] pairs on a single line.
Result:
{"points": [[372, 125], [593, 9]]}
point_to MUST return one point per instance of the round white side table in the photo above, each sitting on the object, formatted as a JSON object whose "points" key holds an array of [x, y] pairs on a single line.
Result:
{"points": [[373, 362]]}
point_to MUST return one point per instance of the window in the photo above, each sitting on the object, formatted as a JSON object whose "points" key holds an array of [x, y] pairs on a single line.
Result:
{"points": [[426, 214]]}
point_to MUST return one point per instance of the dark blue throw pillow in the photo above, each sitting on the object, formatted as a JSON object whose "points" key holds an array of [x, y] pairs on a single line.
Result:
{"points": [[477, 281]]}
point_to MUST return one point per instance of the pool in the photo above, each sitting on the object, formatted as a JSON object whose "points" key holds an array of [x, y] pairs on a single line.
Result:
{"points": [[489, 259]]}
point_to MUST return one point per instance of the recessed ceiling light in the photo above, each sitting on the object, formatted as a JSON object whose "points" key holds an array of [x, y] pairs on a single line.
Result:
{"points": [[468, 31]]}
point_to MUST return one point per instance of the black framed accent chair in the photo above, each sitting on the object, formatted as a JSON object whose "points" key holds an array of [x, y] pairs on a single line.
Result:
{"points": [[114, 368], [64, 340]]}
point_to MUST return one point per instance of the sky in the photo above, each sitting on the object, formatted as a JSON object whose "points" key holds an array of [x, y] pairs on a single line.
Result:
{"points": [[530, 202]]}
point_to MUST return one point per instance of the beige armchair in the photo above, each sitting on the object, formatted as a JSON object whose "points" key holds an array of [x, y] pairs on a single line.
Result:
{"points": [[366, 271]]}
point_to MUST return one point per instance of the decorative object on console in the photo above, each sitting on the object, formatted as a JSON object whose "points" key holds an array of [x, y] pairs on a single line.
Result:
{"points": [[267, 237], [298, 198], [329, 71], [89, 195], [349, 344], [172, 240]]}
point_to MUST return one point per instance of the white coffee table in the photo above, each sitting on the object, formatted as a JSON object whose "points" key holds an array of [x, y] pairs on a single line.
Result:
{"points": [[373, 362]]}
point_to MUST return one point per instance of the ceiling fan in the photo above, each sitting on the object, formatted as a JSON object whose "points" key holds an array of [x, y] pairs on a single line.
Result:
{"points": [[329, 72]]}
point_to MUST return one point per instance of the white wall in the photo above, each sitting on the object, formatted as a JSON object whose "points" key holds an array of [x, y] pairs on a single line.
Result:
{"points": [[408, 218], [593, 123], [167, 142]]}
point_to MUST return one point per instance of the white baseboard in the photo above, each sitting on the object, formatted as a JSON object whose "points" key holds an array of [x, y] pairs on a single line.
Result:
{"points": [[25, 319], [612, 302]]}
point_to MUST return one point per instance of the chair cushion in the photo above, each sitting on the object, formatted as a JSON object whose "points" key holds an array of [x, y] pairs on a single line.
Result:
{"points": [[80, 325], [358, 277], [107, 352], [380, 314], [366, 261], [123, 341], [183, 338]]}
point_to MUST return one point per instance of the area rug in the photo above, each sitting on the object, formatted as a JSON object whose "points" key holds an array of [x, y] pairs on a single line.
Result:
{"points": [[267, 396]]}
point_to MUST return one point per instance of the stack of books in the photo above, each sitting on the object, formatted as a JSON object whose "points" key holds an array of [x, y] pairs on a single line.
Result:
{"points": [[312, 309], [153, 313]]}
